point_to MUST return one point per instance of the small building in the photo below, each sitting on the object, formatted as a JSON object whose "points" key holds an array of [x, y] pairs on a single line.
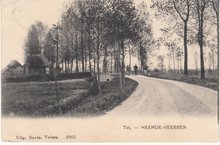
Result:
{"points": [[42, 67], [13, 69]]}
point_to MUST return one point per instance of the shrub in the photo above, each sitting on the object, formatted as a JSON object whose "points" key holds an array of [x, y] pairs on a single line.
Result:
{"points": [[17, 79], [79, 75], [36, 78]]}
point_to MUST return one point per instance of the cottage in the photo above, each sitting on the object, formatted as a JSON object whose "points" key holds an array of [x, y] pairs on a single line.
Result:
{"points": [[13, 69]]}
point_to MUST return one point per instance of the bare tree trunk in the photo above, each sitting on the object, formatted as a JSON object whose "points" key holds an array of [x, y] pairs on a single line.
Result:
{"points": [[97, 51], [62, 65], [68, 66], [185, 20], [72, 55], [89, 49], [111, 62], [141, 56], [98, 69], [123, 66], [181, 68], [169, 62], [94, 63], [196, 62], [119, 66], [71, 67], [200, 11], [76, 54], [202, 61], [56, 73], [82, 49], [185, 50], [129, 58], [213, 60], [115, 63], [85, 60], [196, 67], [218, 40], [65, 66], [105, 60], [90, 65], [174, 65]]}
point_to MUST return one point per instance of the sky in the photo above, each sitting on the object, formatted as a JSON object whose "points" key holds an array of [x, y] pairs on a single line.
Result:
{"points": [[18, 15]]}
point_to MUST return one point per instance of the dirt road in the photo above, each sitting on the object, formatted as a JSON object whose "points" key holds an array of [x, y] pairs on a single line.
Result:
{"points": [[165, 97]]}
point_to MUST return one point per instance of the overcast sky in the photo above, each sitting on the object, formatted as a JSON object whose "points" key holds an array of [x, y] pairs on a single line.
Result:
{"points": [[18, 15]]}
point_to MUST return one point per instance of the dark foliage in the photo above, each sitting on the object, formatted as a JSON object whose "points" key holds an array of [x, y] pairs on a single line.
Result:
{"points": [[80, 75]]}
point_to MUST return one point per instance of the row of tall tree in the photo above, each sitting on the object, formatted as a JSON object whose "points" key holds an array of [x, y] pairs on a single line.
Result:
{"points": [[91, 31], [192, 21]]}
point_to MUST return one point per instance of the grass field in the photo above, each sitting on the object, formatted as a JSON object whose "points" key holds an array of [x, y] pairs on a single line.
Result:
{"points": [[35, 99], [38, 99], [211, 80]]}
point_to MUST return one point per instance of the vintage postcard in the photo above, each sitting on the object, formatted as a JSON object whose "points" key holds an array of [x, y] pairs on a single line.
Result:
{"points": [[109, 70]]}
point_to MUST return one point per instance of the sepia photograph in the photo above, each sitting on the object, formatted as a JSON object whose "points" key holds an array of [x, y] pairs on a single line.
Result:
{"points": [[109, 70]]}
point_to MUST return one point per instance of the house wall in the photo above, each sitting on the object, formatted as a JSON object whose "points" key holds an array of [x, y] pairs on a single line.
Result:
{"points": [[16, 72]]}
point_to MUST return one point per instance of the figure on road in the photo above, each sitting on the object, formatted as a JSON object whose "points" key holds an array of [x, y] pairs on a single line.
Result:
{"points": [[135, 69]]}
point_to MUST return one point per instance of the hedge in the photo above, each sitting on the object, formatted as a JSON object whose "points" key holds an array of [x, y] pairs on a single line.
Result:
{"points": [[80, 75]]}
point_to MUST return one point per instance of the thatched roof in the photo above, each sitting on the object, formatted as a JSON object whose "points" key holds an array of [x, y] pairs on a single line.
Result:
{"points": [[14, 63], [14, 66]]}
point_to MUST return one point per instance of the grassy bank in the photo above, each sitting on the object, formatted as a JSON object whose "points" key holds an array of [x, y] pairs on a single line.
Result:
{"points": [[211, 81], [110, 98], [38, 99]]}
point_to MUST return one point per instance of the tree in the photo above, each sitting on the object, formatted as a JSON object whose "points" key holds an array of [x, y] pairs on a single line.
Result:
{"points": [[81, 9], [169, 54], [185, 21], [71, 30], [215, 4], [146, 41], [134, 50], [123, 25], [98, 30], [201, 5], [89, 24], [172, 48], [212, 58], [49, 48], [42, 30], [177, 9], [160, 58], [196, 61], [35, 43], [93, 28], [32, 46], [179, 58], [67, 50]]}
